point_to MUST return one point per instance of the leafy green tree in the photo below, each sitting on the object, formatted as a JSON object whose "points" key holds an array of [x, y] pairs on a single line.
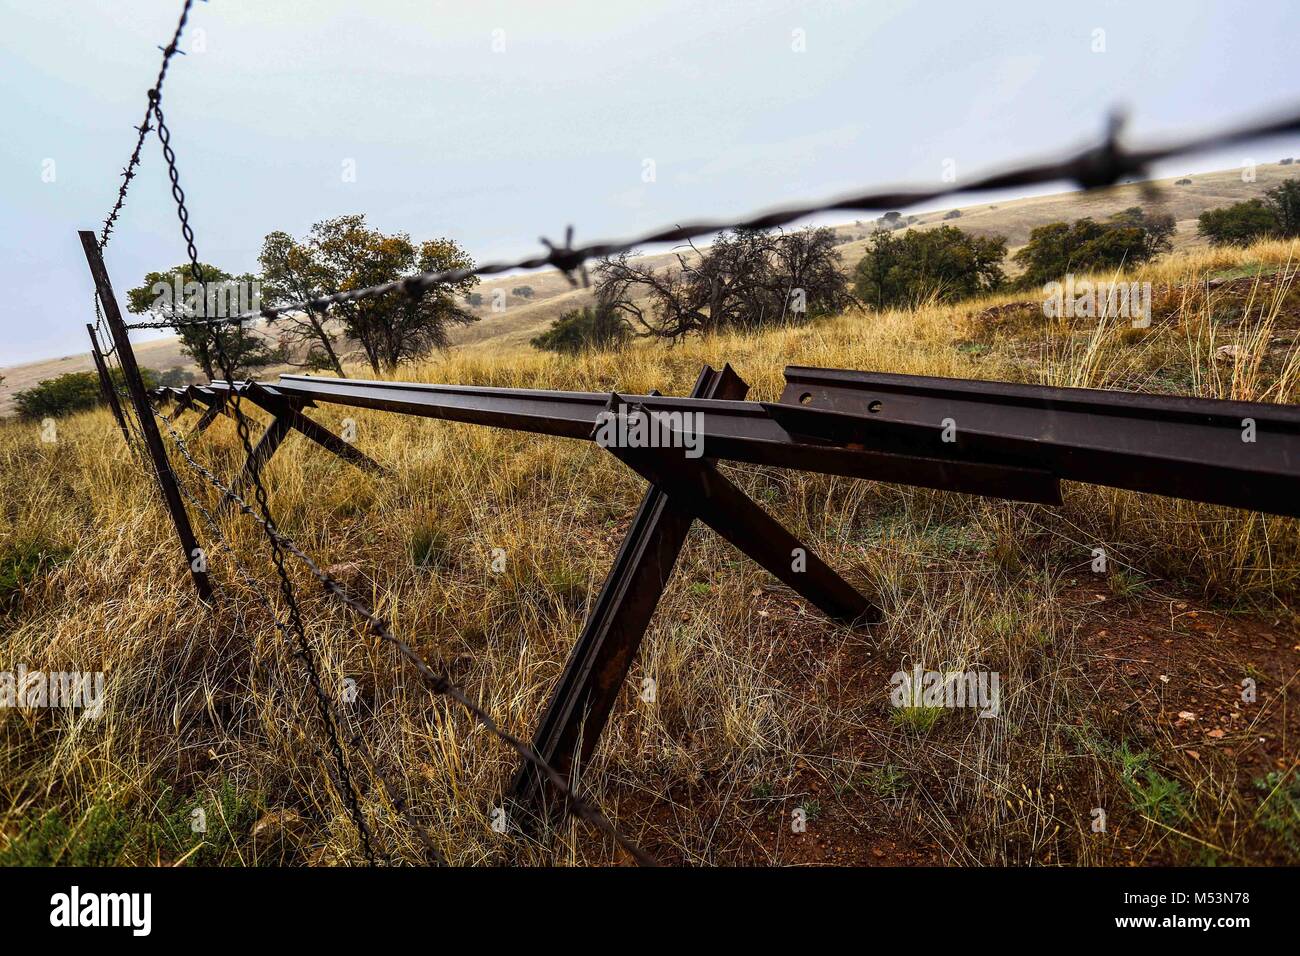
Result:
{"points": [[292, 271], [944, 262], [345, 253], [1239, 224], [1127, 238], [175, 296], [1284, 200], [587, 329]]}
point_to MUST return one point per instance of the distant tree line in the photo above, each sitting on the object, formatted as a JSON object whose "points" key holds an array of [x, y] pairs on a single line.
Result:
{"points": [[748, 280], [745, 279]]}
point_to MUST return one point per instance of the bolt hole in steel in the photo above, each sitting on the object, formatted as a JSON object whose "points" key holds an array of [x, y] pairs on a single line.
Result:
{"points": [[874, 407], [805, 398]]}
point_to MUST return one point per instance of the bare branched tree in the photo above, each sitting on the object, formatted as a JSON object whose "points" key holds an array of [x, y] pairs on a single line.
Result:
{"points": [[745, 279]]}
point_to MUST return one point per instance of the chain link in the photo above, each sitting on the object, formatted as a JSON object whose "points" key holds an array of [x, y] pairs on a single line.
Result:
{"points": [[305, 652], [438, 682]]}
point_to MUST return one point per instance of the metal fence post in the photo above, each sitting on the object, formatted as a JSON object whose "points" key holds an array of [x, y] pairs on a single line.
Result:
{"points": [[106, 384], [144, 412], [598, 665]]}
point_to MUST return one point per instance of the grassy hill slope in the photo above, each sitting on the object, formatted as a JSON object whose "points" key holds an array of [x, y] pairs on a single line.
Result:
{"points": [[1120, 689]]}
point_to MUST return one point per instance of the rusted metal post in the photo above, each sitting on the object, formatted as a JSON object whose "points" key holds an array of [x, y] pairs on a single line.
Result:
{"points": [[148, 427], [583, 699], [106, 384]]}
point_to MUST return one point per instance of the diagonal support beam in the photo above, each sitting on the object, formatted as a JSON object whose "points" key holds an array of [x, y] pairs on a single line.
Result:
{"points": [[276, 432], [281, 407], [599, 663], [700, 489], [285, 418], [215, 402], [184, 401]]}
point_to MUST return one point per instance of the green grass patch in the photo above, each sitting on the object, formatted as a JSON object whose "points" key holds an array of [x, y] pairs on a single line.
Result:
{"points": [[919, 720], [1279, 814], [22, 562], [203, 829], [1152, 794]]}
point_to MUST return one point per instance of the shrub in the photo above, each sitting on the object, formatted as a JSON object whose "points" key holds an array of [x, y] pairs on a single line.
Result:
{"points": [[952, 214], [1125, 239], [73, 392], [177, 377], [585, 329], [68, 393], [1277, 214], [745, 279], [1237, 225], [1284, 200], [945, 262]]}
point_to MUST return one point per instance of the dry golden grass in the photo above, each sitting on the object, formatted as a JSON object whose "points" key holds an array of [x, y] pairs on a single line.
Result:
{"points": [[761, 706]]}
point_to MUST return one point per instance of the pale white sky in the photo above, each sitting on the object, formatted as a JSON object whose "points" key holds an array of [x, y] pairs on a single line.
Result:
{"points": [[497, 147]]}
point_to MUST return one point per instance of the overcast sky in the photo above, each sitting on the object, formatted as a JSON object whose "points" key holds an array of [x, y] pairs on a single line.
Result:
{"points": [[495, 123]]}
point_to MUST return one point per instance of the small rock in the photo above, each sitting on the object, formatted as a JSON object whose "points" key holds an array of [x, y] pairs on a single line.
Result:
{"points": [[346, 573], [277, 832]]}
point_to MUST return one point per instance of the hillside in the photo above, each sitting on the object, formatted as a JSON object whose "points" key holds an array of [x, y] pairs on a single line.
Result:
{"points": [[522, 318], [1122, 688]]}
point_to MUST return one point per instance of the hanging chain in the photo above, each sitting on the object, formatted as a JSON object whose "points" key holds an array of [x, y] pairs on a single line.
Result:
{"points": [[437, 681], [228, 369]]}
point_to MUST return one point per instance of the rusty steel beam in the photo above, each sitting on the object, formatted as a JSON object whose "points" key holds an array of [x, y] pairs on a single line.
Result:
{"points": [[215, 406], [144, 412], [588, 688], [732, 431], [698, 487], [106, 384], [1241, 454]]}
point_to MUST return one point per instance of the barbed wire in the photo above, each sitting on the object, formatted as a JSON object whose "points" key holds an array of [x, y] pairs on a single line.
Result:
{"points": [[1101, 165], [154, 94], [438, 682]]}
